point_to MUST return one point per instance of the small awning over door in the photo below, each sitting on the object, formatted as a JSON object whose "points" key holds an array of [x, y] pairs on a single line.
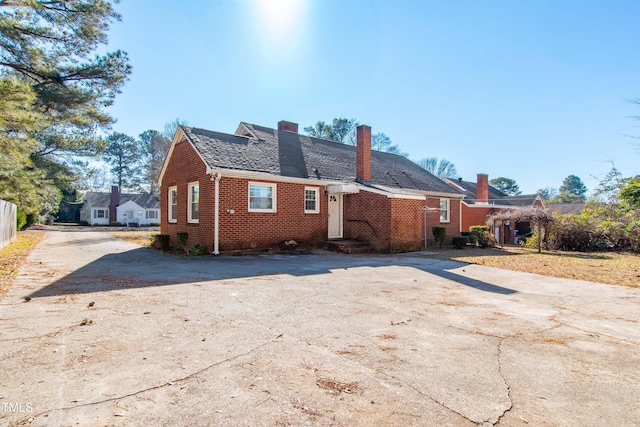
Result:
{"points": [[343, 188]]}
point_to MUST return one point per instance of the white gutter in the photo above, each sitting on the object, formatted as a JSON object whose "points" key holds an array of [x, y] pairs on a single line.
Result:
{"points": [[216, 199]]}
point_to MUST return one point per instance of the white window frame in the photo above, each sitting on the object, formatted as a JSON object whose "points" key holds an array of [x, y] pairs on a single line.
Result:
{"points": [[316, 191], [106, 214], [274, 189], [151, 214], [172, 216], [445, 213], [190, 202]]}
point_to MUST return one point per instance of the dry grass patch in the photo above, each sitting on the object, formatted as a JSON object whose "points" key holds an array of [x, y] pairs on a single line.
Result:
{"points": [[602, 267], [13, 255], [140, 238]]}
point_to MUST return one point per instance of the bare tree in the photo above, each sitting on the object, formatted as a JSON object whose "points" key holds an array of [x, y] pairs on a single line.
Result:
{"points": [[441, 168]]}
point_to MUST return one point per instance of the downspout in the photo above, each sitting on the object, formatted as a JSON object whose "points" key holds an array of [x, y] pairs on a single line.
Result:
{"points": [[460, 216], [216, 198]]}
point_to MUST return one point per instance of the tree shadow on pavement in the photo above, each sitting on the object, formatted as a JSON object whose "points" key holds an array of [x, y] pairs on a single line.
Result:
{"points": [[142, 267]]}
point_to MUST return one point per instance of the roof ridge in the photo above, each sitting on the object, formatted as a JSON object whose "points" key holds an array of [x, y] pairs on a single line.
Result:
{"points": [[214, 131], [301, 134]]}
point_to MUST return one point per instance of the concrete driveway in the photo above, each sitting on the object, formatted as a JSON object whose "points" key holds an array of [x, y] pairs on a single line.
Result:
{"points": [[115, 334]]}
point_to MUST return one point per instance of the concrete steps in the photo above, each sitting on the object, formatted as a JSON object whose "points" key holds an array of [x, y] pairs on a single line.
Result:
{"points": [[348, 246]]}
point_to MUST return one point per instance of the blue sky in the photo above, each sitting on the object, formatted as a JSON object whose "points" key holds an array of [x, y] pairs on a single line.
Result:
{"points": [[530, 90]]}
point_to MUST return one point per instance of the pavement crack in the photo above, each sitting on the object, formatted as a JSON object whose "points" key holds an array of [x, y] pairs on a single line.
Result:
{"points": [[433, 399], [504, 380], [402, 383], [165, 384]]}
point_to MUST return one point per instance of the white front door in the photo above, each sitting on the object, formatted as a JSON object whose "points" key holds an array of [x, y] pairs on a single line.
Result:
{"points": [[335, 216]]}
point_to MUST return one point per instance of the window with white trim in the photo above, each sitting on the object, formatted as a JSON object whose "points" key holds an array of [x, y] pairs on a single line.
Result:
{"points": [[101, 213], [444, 210], [173, 204], [152, 214], [262, 197], [311, 200], [193, 207]]}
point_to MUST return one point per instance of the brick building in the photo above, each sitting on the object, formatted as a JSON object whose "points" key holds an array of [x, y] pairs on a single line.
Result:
{"points": [[481, 200], [259, 187]]}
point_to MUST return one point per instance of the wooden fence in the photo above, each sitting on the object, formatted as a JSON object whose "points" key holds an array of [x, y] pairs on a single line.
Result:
{"points": [[8, 213]]}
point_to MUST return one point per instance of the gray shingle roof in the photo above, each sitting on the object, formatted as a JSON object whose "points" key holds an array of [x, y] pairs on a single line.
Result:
{"points": [[496, 196], [144, 200], [567, 208], [298, 156]]}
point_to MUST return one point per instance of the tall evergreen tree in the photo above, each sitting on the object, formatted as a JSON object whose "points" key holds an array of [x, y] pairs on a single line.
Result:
{"points": [[507, 185], [49, 45], [574, 185], [125, 158], [155, 147]]}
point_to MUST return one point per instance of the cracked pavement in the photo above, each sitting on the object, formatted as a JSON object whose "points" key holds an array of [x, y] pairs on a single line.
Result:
{"points": [[308, 339]]}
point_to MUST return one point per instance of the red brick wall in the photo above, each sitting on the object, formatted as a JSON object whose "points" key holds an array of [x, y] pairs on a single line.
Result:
{"points": [[186, 167], [371, 207], [475, 216], [259, 230], [407, 225], [433, 218], [400, 222]]}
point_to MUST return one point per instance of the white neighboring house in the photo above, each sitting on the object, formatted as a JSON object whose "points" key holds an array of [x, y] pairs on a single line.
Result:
{"points": [[132, 210]]}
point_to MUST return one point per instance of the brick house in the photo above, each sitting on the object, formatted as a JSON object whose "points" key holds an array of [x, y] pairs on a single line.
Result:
{"points": [[481, 200], [259, 187]]}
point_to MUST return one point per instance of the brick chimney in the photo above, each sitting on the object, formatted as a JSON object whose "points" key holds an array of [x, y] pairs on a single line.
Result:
{"points": [[363, 153], [482, 192], [113, 203], [288, 126]]}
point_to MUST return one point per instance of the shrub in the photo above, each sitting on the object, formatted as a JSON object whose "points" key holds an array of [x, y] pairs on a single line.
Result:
{"points": [[460, 242], [161, 241], [577, 233], [21, 219], [183, 236], [439, 234], [31, 219], [115, 224], [480, 236], [470, 237], [197, 250], [487, 240]]}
